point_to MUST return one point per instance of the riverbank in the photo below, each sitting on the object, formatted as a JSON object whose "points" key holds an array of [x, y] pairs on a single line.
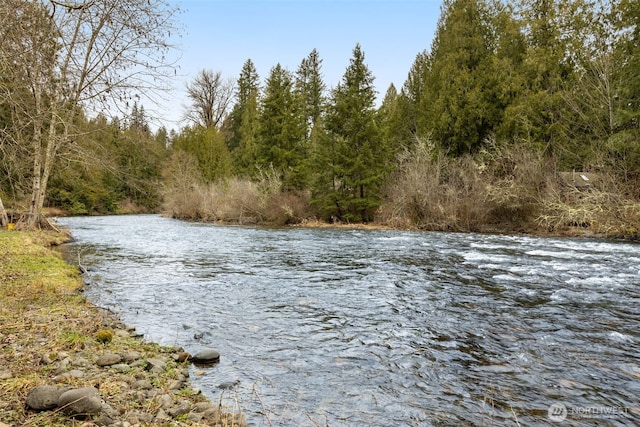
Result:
{"points": [[52, 336]]}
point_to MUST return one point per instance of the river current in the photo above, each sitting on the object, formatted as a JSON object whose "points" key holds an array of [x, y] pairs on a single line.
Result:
{"points": [[377, 327]]}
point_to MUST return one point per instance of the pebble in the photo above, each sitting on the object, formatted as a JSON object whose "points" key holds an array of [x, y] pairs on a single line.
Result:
{"points": [[183, 407], [156, 365], [208, 355], [131, 357], [121, 368], [142, 385], [228, 384], [108, 359], [137, 376]]}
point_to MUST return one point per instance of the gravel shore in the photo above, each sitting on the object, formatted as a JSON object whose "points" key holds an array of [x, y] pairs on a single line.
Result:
{"points": [[65, 362]]}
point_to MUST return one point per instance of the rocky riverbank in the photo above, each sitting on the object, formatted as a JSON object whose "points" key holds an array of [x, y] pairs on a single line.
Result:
{"points": [[65, 362]]}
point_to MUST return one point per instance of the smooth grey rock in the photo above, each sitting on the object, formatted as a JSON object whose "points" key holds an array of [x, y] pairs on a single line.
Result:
{"points": [[181, 356], [228, 384], [108, 359], [75, 373], [123, 333], [104, 420], [203, 406], [208, 355], [62, 365], [176, 385], [183, 407], [130, 357], [195, 417], [121, 368], [81, 361], [81, 401], [156, 365], [44, 397], [142, 385], [165, 401]]}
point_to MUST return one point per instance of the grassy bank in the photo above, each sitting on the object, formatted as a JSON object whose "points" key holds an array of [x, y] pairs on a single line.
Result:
{"points": [[48, 337]]}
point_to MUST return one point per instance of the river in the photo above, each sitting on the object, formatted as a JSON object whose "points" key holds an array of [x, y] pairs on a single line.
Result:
{"points": [[345, 327]]}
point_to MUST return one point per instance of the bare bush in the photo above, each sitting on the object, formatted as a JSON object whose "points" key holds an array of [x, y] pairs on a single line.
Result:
{"points": [[517, 179], [435, 192], [498, 189], [602, 210], [238, 201]]}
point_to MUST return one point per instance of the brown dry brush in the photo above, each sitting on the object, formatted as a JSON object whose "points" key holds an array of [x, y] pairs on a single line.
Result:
{"points": [[605, 210], [496, 188], [239, 201], [502, 188]]}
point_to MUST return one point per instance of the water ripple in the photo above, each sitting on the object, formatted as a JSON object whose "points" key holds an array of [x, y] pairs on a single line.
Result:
{"points": [[380, 328]]}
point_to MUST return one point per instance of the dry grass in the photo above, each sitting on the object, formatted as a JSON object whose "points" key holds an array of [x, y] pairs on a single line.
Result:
{"points": [[597, 211], [506, 189], [239, 201]]}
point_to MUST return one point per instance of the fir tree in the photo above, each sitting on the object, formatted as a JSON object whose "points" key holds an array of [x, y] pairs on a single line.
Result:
{"points": [[352, 158], [460, 106], [242, 126], [311, 89], [282, 128]]}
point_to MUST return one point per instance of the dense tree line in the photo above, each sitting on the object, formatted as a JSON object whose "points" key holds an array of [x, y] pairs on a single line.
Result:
{"points": [[560, 78], [557, 76]]}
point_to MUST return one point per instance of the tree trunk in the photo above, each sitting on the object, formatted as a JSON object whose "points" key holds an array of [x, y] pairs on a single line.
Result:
{"points": [[44, 159], [35, 206], [4, 219]]}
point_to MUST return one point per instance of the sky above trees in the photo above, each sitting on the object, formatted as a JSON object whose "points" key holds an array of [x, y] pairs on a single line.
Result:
{"points": [[221, 35]]}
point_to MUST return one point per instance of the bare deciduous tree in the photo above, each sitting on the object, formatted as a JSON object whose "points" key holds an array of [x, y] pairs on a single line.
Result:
{"points": [[59, 59], [210, 97]]}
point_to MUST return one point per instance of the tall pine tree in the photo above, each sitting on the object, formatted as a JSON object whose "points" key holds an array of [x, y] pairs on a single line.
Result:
{"points": [[243, 121], [460, 107], [282, 129], [352, 159]]}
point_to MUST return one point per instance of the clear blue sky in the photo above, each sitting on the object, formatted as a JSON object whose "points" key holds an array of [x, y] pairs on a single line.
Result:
{"points": [[220, 35]]}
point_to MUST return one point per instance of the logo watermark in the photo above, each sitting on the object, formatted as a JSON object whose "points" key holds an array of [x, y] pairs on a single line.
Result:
{"points": [[558, 412]]}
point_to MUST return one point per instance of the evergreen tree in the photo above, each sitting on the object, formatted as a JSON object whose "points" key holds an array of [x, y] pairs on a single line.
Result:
{"points": [[401, 117], [138, 119], [311, 89], [352, 159], [242, 126], [623, 148], [282, 129], [392, 121], [460, 105], [412, 93], [208, 147], [539, 115], [629, 49]]}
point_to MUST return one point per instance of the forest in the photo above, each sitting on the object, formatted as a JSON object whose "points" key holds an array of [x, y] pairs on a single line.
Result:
{"points": [[521, 116]]}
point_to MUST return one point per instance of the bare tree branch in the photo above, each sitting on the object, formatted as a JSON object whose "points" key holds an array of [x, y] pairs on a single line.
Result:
{"points": [[210, 97], [80, 57]]}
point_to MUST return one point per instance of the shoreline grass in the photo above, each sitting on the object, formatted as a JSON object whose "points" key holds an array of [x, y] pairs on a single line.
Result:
{"points": [[44, 316]]}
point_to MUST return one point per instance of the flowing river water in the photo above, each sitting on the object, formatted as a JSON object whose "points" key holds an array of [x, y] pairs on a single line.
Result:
{"points": [[381, 328]]}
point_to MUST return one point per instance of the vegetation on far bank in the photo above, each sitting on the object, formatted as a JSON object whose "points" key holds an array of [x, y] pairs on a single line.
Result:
{"points": [[508, 98], [48, 329]]}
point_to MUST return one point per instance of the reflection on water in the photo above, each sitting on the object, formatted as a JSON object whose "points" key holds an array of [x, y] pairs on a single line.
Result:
{"points": [[380, 328]]}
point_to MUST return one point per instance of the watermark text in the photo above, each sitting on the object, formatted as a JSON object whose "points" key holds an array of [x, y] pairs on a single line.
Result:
{"points": [[558, 412]]}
